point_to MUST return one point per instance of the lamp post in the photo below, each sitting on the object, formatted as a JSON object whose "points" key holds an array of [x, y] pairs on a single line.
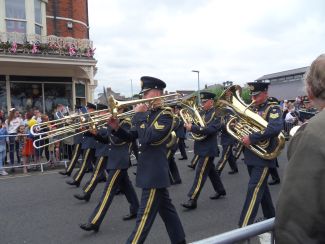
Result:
{"points": [[198, 85], [131, 89]]}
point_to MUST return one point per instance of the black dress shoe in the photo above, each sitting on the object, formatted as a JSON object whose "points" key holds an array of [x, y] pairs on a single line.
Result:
{"points": [[191, 166], [232, 172], [130, 216], [274, 182], [89, 227], [190, 204], [85, 197], [63, 172], [218, 195], [73, 183], [182, 159]]}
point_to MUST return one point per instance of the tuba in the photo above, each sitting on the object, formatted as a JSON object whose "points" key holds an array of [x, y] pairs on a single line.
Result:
{"points": [[246, 122], [190, 114]]}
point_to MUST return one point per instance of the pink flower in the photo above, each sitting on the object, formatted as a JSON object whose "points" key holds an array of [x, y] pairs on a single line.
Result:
{"points": [[90, 52], [34, 49], [13, 48], [72, 50]]}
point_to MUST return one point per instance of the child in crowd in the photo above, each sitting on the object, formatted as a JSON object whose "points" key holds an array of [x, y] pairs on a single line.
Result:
{"points": [[3, 133], [28, 149], [21, 136]]}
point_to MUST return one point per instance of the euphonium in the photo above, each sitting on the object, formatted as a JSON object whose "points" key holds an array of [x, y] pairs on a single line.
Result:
{"points": [[190, 114], [246, 122]]}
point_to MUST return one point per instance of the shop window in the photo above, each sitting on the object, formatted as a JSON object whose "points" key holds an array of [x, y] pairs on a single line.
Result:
{"points": [[3, 95], [57, 94], [80, 90], [26, 96]]}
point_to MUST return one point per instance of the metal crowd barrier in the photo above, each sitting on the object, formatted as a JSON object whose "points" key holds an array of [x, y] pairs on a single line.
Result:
{"points": [[287, 127], [242, 234], [63, 151]]}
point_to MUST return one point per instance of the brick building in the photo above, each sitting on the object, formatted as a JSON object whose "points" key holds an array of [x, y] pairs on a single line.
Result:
{"points": [[46, 56]]}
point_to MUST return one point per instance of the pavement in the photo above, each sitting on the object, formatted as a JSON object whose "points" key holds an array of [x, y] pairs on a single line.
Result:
{"points": [[39, 208]]}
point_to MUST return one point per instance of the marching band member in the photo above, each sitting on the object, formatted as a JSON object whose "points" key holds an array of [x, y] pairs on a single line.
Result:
{"points": [[118, 162], [152, 127], [258, 168], [206, 150], [88, 157], [101, 154]]}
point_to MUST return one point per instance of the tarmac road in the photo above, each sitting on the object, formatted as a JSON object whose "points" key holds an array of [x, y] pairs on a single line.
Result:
{"points": [[40, 208]]}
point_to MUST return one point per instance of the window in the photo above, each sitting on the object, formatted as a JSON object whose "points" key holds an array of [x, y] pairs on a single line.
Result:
{"points": [[80, 94], [57, 94], [38, 16], [15, 16], [25, 96]]}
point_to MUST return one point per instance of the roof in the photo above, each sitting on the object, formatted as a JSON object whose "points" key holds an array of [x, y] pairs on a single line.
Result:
{"points": [[287, 90], [284, 73]]}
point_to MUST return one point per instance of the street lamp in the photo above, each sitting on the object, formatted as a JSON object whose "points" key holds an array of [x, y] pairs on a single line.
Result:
{"points": [[198, 85]]}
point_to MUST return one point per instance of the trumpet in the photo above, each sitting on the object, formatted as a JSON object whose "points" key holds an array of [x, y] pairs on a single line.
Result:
{"points": [[246, 122]]}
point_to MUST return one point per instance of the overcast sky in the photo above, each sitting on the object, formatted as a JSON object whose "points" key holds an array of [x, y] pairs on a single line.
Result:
{"points": [[224, 40]]}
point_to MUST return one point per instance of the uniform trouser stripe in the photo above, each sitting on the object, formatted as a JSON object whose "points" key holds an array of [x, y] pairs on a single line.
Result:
{"points": [[256, 190], [73, 160], [108, 192], [84, 162], [224, 159], [144, 216], [95, 175], [200, 178], [194, 161], [168, 154]]}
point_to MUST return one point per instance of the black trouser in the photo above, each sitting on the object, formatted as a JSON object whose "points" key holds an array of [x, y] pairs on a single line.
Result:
{"points": [[155, 201], [238, 150], [257, 193], [96, 176], [116, 177], [227, 155], [173, 169], [88, 159], [181, 146], [77, 151], [205, 168]]}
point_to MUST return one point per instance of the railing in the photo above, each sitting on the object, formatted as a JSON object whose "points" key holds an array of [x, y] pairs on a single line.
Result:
{"points": [[52, 157], [242, 234], [14, 42]]}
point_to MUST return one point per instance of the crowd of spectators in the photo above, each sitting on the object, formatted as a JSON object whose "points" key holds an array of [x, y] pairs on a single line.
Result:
{"points": [[16, 142]]}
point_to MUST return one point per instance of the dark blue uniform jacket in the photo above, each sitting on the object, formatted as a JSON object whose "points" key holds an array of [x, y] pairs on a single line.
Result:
{"points": [[152, 128], [271, 113], [208, 146]]}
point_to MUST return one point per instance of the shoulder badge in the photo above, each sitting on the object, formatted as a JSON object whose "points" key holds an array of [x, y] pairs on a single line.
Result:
{"points": [[274, 115], [158, 126]]}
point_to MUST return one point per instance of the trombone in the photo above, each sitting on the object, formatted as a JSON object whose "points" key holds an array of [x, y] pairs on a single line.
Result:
{"points": [[91, 120]]}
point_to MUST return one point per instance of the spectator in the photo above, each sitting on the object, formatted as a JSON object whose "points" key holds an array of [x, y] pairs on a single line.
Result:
{"points": [[3, 133], [2, 116], [300, 212], [21, 140], [12, 124], [37, 115], [28, 149], [292, 116]]}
